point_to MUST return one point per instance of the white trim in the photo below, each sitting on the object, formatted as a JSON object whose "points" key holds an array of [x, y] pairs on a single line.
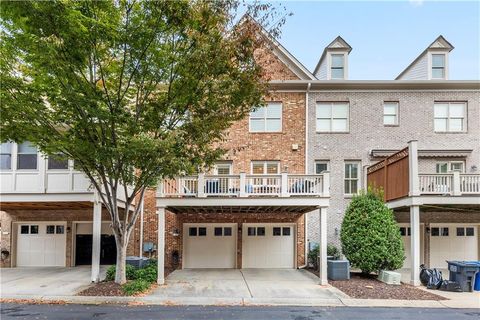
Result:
{"points": [[327, 162], [448, 118], [345, 65], [359, 176], [265, 118], [332, 118], [265, 163], [314, 202], [434, 200]]}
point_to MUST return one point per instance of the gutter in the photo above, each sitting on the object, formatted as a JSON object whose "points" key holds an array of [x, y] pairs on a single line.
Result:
{"points": [[141, 227], [305, 227]]}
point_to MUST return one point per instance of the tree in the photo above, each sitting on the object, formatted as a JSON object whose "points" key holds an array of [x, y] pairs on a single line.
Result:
{"points": [[370, 236], [133, 91]]}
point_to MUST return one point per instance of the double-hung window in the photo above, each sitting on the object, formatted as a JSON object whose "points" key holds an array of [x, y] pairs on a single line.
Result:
{"points": [[321, 166], [352, 177], [6, 156], [390, 113], [438, 66], [267, 118], [337, 69], [57, 162], [449, 116], [27, 156], [332, 116]]}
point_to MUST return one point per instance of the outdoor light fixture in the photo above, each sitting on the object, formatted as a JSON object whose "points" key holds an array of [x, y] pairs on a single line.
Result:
{"points": [[175, 233]]}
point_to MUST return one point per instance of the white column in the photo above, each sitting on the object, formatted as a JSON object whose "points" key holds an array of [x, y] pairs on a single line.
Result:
{"points": [[96, 235], [201, 186], [284, 185], [456, 184], [415, 245], [413, 182], [323, 246], [161, 245], [243, 183], [326, 184]]}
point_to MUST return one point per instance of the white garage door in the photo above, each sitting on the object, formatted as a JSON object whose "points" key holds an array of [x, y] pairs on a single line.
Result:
{"points": [[268, 246], [452, 242], [405, 232], [209, 245], [41, 244]]}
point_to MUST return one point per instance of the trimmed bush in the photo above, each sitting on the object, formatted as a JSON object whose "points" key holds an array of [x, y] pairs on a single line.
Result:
{"points": [[332, 251], [139, 279], [129, 270], [135, 286], [370, 236], [313, 254]]}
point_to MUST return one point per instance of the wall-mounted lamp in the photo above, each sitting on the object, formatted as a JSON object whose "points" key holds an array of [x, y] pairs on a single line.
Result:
{"points": [[427, 229], [336, 232], [473, 168], [175, 233]]}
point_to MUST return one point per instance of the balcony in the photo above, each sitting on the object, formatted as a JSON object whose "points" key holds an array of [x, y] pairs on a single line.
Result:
{"points": [[454, 184], [244, 186]]}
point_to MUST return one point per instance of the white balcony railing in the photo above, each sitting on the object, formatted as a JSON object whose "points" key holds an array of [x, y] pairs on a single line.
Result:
{"points": [[449, 183], [243, 185]]}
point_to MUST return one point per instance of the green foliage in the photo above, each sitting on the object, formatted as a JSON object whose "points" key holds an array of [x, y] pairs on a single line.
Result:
{"points": [[132, 91], [130, 272], [370, 236], [332, 251], [136, 286], [148, 273], [110, 273]]}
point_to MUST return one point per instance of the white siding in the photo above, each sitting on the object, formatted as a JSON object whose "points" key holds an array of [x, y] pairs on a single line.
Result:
{"points": [[322, 71], [418, 71]]}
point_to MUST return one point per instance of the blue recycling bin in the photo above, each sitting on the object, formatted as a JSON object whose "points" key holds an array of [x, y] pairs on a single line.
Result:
{"points": [[476, 286], [465, 273]]}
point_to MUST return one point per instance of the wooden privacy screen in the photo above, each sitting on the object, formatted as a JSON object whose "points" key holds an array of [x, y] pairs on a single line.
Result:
{"points": [[391, 175]]}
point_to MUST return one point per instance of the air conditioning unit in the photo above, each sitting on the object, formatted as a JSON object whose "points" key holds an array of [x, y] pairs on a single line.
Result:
{"points": [[389, 277]]}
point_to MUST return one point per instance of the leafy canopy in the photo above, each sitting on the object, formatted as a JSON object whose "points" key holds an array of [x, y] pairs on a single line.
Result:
{"points": [[370, 236]]}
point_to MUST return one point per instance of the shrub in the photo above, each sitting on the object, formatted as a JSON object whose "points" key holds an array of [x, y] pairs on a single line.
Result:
{"points": [[333, 251], [370, 236], [131, 273], [135, 286], [147, 273]]}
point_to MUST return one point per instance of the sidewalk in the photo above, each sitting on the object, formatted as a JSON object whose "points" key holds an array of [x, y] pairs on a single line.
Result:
{"points": [[458, 300]]}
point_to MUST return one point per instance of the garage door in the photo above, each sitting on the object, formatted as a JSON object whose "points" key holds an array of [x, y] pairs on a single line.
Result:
{"points": [[452, 242], [210, 245], [41, 244], [268, 246], [405, 232]]}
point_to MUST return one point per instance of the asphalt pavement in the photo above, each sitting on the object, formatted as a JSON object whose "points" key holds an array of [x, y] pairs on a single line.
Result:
{"points": [[119, 312]]}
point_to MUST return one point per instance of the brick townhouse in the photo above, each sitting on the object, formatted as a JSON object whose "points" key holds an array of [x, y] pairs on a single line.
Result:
{"points": [[286, 180]]}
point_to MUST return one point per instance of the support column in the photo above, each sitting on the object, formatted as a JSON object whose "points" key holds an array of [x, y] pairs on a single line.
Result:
{"points": [[415, 245], [96, 236], [161, 245], [323, 246], [413, 182]]}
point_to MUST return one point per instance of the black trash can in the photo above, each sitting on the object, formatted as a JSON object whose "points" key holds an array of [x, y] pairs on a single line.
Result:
{"points": [[463, 272]]}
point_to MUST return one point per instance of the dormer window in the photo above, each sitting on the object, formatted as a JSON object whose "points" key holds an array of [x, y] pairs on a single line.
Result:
{"points": [[337, 69], [438, 66]]}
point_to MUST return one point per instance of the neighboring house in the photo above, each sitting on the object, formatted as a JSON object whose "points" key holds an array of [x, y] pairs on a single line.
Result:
{"points": [[50, 216]]}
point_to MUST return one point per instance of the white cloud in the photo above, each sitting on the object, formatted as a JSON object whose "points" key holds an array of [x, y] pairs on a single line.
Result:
{"points": [[416, 3]]}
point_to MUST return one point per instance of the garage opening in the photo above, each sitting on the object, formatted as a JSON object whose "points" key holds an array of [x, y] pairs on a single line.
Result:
{"points": [[209, 245], [83, 245], [268, 245]]}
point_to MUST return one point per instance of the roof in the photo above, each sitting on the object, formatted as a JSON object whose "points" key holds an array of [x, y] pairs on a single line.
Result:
{"points": [[337, 44], [425, 153], [342, 85], [439, 43], [282, 53]]}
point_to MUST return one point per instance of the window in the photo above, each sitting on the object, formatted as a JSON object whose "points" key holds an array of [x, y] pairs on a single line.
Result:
{"points": [[470, 232], [27, 156], [202, 231], [223, 168], [441, 167], [438, 66], [332, 116], [267, 119], [227, 231], [251, 231], [321, 166], [449, 117], [34, 229], [390, 113], [57, 163], [217, 231], [192, 232], [265, 167], [50, 229], [337, 70], [286, 231], [277, 231], [456, 166], [445, 167], [351, 177], [405, 231], [60, 229], [6, 156], [260, 231], [444, 232], [24, 229]]}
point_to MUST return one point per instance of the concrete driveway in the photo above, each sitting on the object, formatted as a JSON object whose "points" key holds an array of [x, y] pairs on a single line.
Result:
{"points": [[45, 281], [246, 284]]}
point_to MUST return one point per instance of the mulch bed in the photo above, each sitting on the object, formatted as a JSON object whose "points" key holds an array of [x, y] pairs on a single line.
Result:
{"points": [[106, 288], [368, 287]]}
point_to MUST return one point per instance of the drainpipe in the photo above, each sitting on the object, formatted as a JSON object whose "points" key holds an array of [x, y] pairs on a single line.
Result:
{"points": [[305, 227], [141, 226]]}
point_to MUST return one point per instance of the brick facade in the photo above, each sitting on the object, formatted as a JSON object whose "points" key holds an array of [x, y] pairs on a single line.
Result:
{"points": [[367, 132]]}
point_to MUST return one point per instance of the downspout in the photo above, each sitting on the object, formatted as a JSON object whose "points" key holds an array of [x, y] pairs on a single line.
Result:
{"points": [[305, 227], [141, 227]]}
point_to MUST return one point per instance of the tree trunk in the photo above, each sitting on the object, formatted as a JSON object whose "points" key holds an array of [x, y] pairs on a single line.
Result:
{"points": [[120, 275]]}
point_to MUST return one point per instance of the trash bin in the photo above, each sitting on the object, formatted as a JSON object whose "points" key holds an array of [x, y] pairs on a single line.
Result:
{"points": [[464, 272], [476, 286]]}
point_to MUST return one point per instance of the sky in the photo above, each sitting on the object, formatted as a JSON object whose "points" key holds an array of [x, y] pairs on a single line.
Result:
{"points": [[386, 36]]}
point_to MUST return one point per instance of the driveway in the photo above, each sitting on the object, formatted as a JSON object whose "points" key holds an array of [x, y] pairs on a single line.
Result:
{"points": [[245, 284], [45, 281]]}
